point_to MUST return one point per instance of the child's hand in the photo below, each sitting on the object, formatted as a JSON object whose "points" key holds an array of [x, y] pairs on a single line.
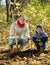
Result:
{"points": [[38, 40]]}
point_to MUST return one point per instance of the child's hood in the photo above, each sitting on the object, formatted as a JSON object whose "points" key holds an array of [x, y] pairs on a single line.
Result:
{"points": [[42, 34], [40, 26]]}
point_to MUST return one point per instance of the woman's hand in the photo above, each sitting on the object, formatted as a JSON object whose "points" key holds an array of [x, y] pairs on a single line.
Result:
{"points": [[30, 38]]}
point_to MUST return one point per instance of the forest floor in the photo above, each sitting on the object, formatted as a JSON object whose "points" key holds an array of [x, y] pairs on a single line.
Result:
{"points": [[26, 59]]}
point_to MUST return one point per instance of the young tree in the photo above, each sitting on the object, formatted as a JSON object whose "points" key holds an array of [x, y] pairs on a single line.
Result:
{"points": [[7, 8], [23, 4], [45, 1], [0, 2]]}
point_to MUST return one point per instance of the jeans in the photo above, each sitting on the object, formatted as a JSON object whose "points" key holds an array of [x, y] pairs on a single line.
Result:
{"points": [[11, 42], [22, 42], [38, 46]]}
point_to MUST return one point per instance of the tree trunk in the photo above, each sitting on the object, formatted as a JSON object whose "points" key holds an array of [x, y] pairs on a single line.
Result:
{"points": [[0, 2], [7, 8], [45, 1]]}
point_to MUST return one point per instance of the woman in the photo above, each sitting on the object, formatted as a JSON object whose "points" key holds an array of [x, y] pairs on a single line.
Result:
{"points": [[19, 32]]}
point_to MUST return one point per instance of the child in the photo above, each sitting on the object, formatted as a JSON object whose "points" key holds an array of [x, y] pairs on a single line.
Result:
{"points": [[40, 37], [19, 32]]}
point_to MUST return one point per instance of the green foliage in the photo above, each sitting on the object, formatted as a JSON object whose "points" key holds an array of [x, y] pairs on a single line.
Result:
{"points": [[37, 12], [2, 17]]}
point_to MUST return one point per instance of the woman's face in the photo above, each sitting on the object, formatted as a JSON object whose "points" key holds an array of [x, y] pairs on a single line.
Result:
{"points": [[39, 30], [22, 20]]}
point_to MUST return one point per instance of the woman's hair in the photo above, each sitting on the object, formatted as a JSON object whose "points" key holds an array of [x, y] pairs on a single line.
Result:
{"points": [[22, 16]]}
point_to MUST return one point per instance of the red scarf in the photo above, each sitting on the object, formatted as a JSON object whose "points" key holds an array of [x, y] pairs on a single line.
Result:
{"points": [[20, 25]]}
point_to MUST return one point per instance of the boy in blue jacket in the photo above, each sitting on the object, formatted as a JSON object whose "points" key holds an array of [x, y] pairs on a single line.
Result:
{"points": [[40, 37]]}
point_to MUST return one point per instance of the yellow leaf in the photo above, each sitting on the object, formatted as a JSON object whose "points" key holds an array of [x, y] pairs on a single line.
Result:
{"points": [[11, 3], [17, 4]]}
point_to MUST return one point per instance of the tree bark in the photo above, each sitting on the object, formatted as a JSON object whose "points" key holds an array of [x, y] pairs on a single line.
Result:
{"points": [[7, 8], [0, 2]]}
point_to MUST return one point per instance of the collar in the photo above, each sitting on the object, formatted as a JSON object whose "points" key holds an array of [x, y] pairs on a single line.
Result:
{"points": [[20, 25]]}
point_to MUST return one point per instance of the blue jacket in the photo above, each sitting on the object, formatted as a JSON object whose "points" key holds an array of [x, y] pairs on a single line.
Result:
{"points": [[40, 35], [43, 36]]}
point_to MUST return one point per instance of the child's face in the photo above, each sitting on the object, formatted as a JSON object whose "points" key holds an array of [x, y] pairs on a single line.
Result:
{"points": [[39, 30], [22, 20]]}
